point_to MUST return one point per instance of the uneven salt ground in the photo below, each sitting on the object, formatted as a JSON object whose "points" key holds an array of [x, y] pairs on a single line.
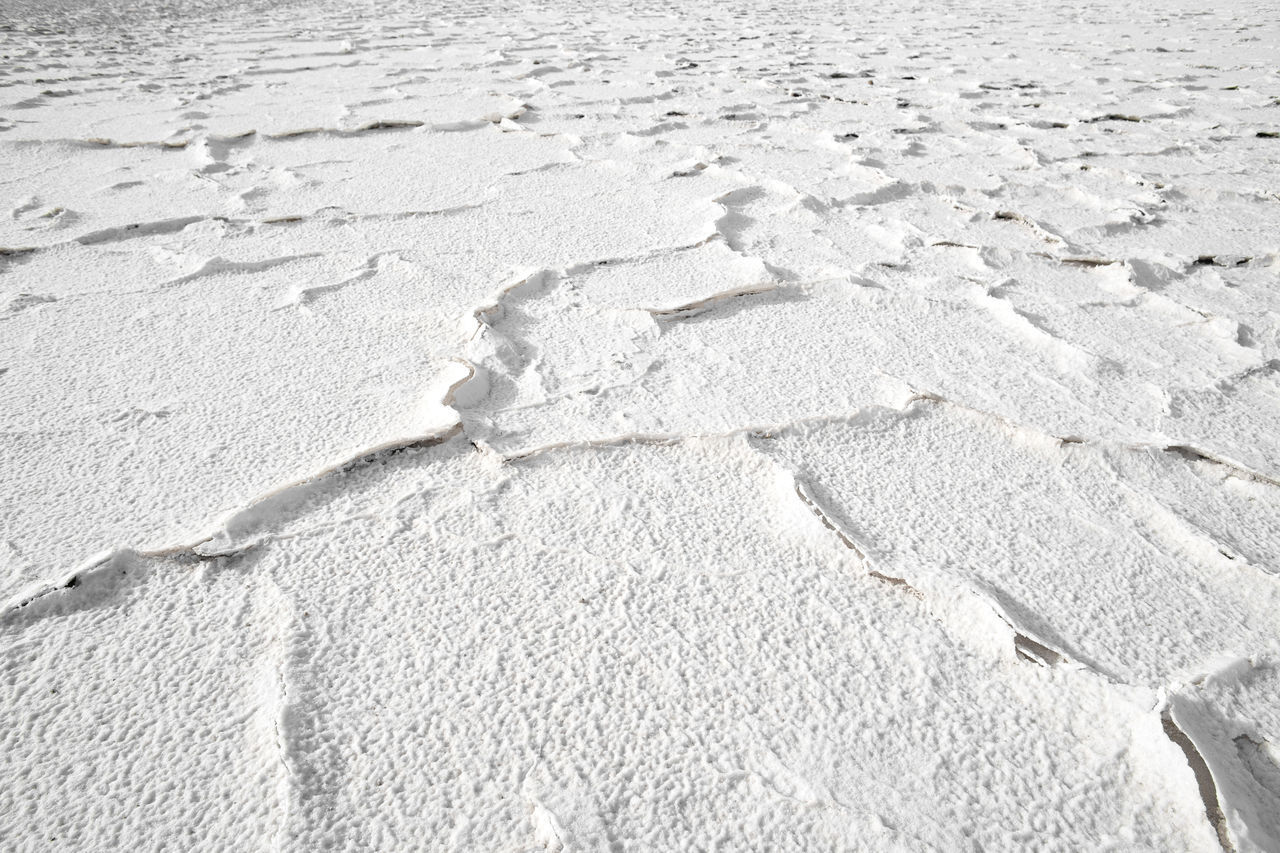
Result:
{"points": [[1074, 350], [276, 242], [365, 335], [615, 599]]}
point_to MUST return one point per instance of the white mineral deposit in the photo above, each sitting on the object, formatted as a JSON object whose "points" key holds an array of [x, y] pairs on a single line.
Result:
{"points": [[646, 426]]}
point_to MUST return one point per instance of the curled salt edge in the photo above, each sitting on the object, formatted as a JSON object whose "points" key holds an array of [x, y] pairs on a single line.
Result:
{"points": [[463, 384], [786, 486], [88, 568], [240, 529], [237, 532], [460, 385], [972, 612], [993, 624], [977, 619], [1237, 803]]}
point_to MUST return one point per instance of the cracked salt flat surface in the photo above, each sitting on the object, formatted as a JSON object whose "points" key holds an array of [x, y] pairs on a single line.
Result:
{"points": [[639, 428]]}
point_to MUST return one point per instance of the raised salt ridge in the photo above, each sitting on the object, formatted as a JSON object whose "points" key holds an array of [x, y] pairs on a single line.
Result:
{"points": [[628, 427]]}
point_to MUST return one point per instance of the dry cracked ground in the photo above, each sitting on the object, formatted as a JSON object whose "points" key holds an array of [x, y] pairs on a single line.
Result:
{"points": [[639, 426]]}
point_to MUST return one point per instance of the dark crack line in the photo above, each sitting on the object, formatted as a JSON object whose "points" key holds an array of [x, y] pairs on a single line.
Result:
{"points": [[1204, 779], [101, 566]]}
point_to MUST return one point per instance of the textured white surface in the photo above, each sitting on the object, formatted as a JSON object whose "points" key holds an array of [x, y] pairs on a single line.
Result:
{"points": [[631, 427]]}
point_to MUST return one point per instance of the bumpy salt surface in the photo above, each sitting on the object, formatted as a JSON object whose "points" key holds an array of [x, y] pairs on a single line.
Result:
{"points": [[620, 427]]}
